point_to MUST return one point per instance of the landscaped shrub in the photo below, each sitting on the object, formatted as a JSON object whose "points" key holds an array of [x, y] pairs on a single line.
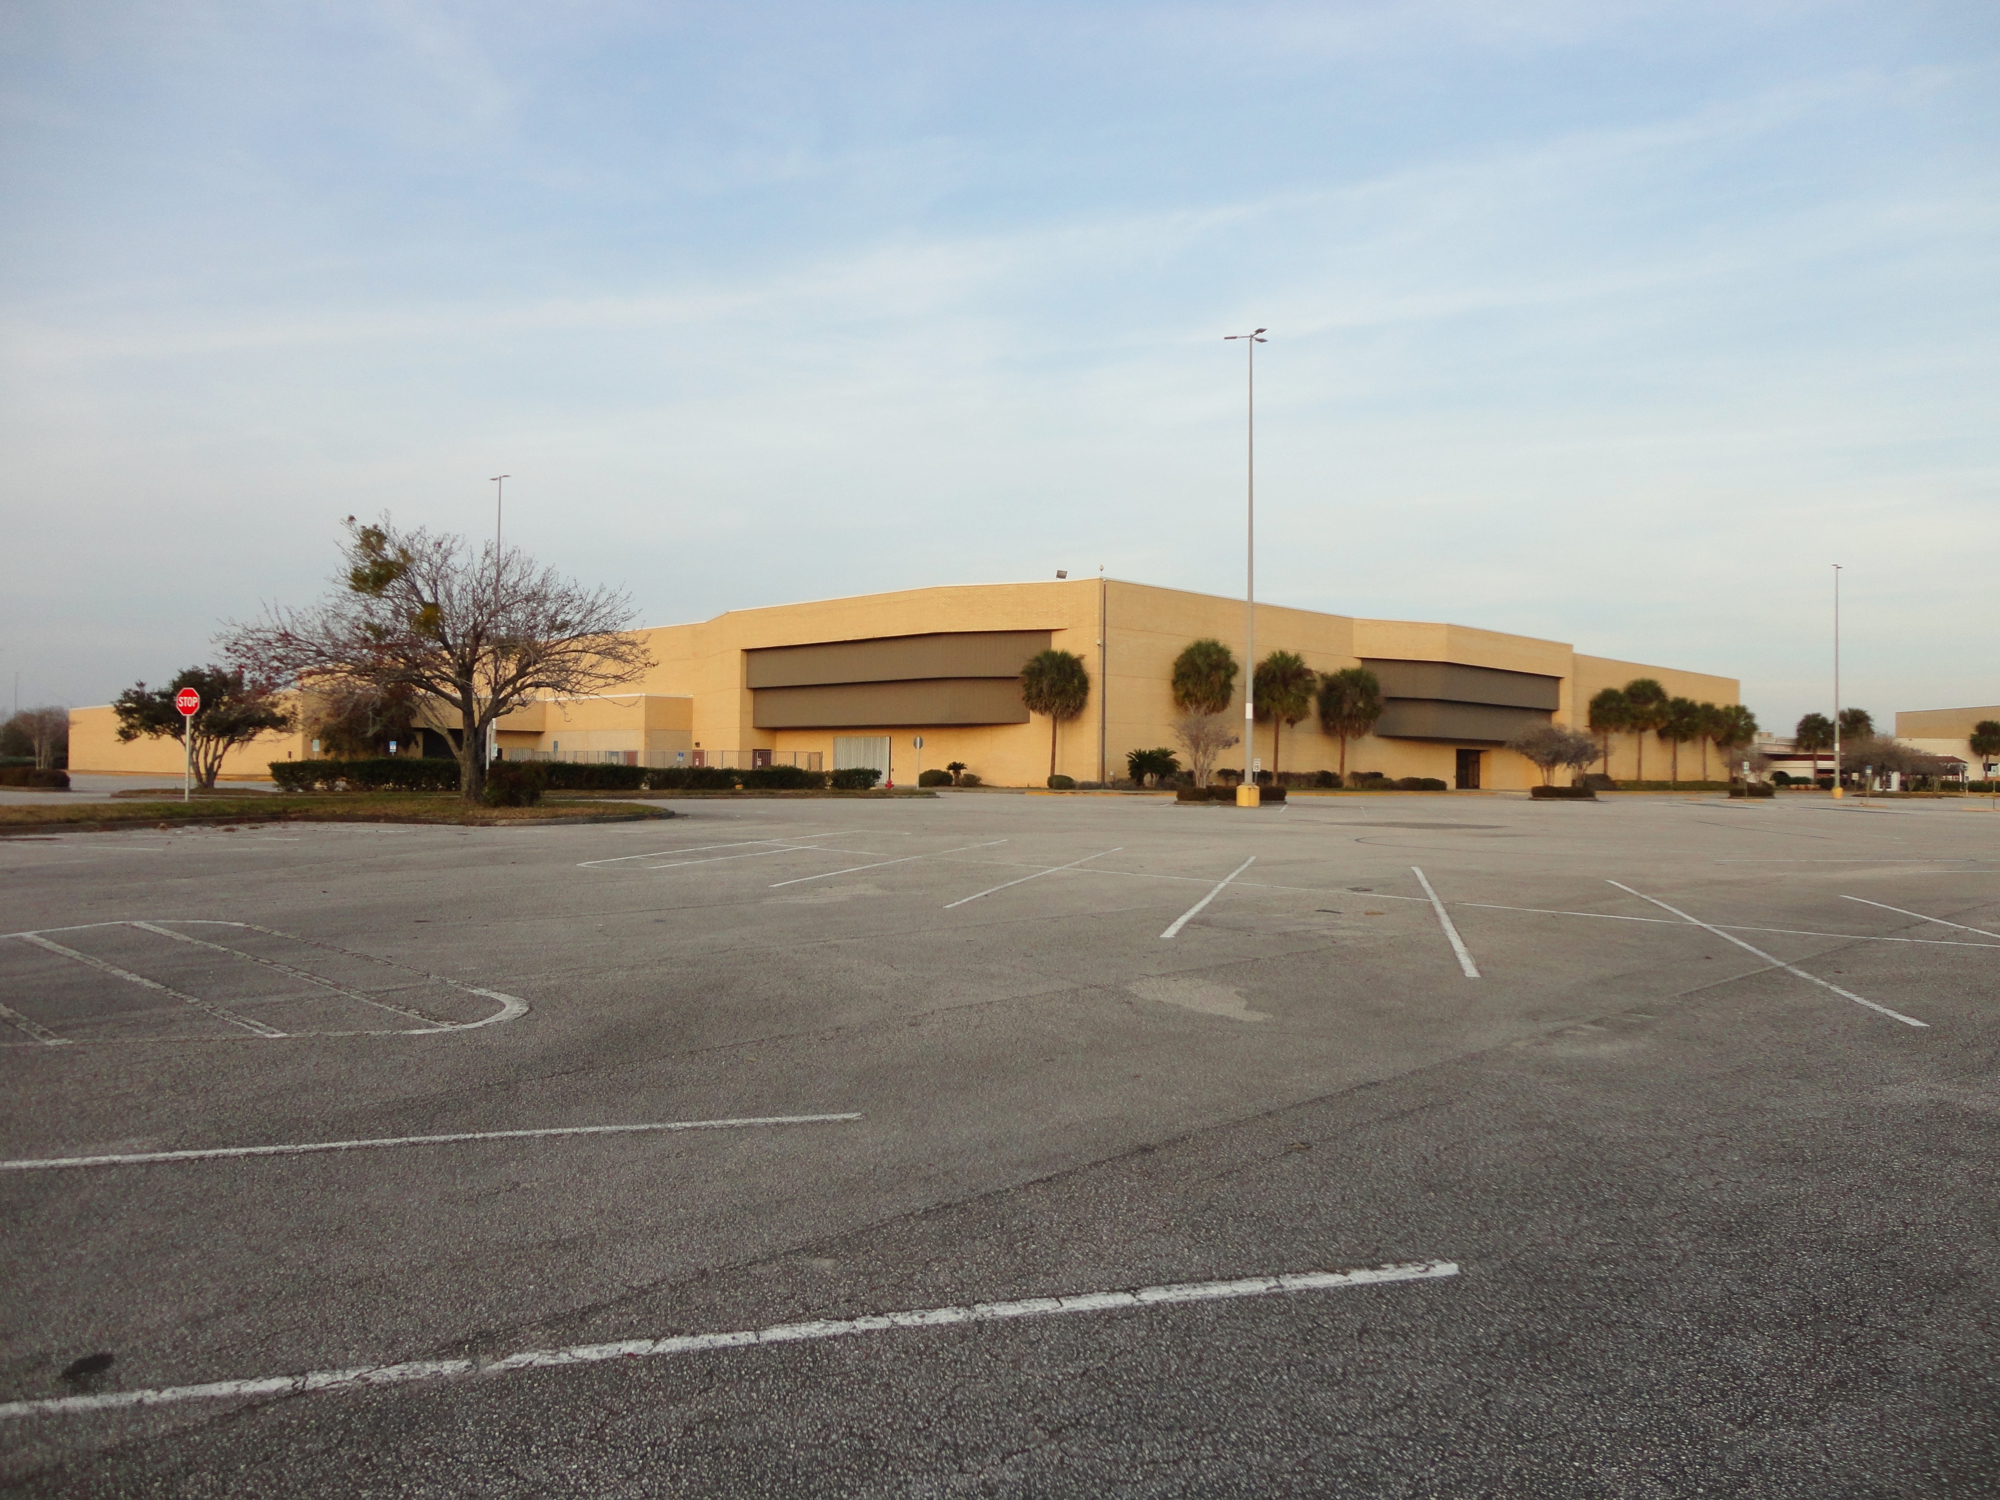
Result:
{"points": [[966, 778], [854, 778], [782, 778], [690, 779], [1755, 789], [515, 783], [388, 773], [1061, 783], [1160, 763], [1564, 793], [933, 778], [29, 776], [1365, 779], [571, 776], [1431, 784]]}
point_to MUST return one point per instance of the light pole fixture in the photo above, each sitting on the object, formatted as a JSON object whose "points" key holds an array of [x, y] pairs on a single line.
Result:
{"points": [[1247, 794], [1837, 789], [499, 495]]}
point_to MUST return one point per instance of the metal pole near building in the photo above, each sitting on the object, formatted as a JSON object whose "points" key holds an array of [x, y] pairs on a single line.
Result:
{"points": [[1247, 794], [1103, 683], [1837, 791]]}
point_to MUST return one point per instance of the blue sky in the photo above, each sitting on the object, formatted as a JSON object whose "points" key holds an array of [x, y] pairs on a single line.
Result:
{"points": [[1613, 323]]}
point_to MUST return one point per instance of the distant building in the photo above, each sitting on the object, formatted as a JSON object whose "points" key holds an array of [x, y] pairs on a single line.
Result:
{"points": [[1948, 732], [915, 680]]}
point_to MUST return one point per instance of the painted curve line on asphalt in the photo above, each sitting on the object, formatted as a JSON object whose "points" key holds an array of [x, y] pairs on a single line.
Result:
{"points": [[512, 1007], [696, 1343]]}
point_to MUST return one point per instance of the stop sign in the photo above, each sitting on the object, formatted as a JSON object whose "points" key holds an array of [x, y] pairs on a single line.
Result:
{"points": [[188, 701]]}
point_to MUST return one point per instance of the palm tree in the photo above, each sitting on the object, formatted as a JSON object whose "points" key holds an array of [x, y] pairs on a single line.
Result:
{"points": [[1055, 683], [1856, 724], [1350, 701], [1814, 736], [1984, 742], [1204, 677], [1284, 695], [1736, 726], [1711, 720], [1682, 722], [1609, 714], [1646, 709]]}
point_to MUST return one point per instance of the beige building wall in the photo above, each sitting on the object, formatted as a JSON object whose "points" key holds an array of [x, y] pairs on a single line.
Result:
{"points": [[1593, 674], [1946, 731], [94, 747], [630, 723], [1130, 662], [696, 696]]}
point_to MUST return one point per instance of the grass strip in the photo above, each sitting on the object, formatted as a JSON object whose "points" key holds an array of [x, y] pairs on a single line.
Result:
{"points": [[355, 807], [606, 795]]}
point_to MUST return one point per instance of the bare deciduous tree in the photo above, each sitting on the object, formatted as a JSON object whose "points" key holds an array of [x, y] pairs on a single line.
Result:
{"points": [[1204, 736], [479, 635], [1550, 745], [40, 732]]}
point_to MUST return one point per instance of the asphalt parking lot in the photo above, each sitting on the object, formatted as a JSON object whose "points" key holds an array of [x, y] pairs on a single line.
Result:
{"points": [[1398, 1145]]}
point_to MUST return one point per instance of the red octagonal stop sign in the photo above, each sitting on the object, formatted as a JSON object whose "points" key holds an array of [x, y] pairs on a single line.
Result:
{"points": [[188, 701]]}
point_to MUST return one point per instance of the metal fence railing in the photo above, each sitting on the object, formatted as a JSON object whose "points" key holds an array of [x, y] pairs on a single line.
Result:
{"points": [[737, 760], [730, 760]]}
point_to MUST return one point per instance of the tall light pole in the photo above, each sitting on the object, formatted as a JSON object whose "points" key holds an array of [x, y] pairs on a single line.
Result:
{"points": [[499, 499], [499, 495], [1247, 794], [1837, 791]]}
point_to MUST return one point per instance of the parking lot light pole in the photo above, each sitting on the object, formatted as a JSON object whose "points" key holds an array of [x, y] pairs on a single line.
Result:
{"points": [[499, 499], [1247, 794]]}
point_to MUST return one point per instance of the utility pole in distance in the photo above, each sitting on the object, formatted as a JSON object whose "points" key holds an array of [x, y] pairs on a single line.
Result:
{"points": [[1837, 789]]}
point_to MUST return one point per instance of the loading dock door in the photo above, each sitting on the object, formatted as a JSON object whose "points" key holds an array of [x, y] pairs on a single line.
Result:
{"points": [[1468, 770]]}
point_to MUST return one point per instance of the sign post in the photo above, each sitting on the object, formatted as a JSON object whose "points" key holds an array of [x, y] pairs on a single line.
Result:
{"points": [[188, 701]]}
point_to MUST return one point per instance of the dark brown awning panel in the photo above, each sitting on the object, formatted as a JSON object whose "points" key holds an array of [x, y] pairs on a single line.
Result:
{"points": [[895, 658], [1464, 723], [1454, 683], [884, 705]]}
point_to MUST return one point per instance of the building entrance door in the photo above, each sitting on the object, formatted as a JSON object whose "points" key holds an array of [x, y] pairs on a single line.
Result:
{"points": [[1468, 770]]}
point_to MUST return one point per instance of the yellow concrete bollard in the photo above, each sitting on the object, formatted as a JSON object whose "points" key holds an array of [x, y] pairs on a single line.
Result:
{"points": [[1248, 795]]}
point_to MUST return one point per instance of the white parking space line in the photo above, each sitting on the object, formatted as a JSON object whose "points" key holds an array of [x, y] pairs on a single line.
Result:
{"points": [[1776, 962], [313, 979], [307, 1148], [221, 1013], [1922, 918], [1845, 937], [1193, 911], [1036, 876], [698, 1343], [695, 849], [1444, 920], [718, 859], [829, 874], [40, 1033]]}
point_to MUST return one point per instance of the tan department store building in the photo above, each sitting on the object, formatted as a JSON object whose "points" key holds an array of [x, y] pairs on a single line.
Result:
{"points": [[861, 680]]}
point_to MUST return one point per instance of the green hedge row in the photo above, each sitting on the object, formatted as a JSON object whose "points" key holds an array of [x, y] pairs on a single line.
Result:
{"points": [[28, 775], [404, 774], [386, 773]]}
